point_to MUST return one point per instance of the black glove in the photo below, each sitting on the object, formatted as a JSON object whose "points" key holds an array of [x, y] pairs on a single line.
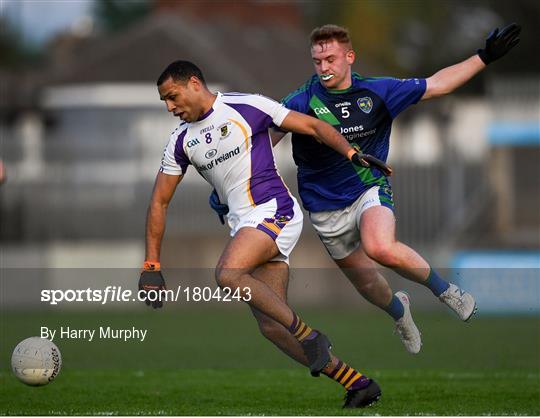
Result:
{"points": [[220, 208], [151, 279], [499, 43], [366, 160]]}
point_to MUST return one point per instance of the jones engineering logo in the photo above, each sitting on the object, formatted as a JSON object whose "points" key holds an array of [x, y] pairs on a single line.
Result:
{"points": [[351, 129], [216, 161], [353, 133]]}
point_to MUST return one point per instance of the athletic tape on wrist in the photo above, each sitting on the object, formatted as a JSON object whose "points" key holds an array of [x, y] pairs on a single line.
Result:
{"points": [[151, 266]]}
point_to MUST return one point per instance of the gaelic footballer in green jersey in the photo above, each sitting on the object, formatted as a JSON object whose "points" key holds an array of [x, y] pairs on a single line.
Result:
{"points": [[363, 114]]}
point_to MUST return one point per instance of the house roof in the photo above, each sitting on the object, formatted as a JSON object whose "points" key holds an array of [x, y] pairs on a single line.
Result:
{"points": [[262, 58]]}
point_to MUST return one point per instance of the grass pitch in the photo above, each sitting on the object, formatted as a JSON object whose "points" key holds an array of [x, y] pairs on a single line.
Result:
{"points": [[210, 362]]}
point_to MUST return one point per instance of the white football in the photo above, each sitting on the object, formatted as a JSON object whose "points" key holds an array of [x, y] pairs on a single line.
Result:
{"points": [[36, 361]]}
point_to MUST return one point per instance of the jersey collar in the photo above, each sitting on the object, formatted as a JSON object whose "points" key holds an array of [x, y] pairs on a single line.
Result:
{"points": [[354, 77], [214, 105]]}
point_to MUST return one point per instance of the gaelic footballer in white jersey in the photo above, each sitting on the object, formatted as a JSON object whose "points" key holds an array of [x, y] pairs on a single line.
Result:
{"points": [[230, 146]]}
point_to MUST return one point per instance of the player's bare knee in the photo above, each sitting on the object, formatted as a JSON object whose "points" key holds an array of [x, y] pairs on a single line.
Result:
{"points": [[382, 253], [226, 277]]}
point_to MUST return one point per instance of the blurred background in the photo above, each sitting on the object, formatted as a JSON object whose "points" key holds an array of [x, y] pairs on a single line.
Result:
{"points": [[82, 132], [83, 129]]}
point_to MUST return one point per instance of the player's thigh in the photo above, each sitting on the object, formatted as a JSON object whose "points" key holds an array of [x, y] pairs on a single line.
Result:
{"points": [[377, 228], [247, 250], [337, 230]]}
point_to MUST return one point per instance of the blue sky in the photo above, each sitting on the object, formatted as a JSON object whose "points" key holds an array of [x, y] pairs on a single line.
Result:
{"points": [[41, 19]]}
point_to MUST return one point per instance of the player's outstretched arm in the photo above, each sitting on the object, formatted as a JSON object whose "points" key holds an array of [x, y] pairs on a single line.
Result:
{"points": [[498, 44], [151, 279], [163, 191], [325, 133], [321, 131]]}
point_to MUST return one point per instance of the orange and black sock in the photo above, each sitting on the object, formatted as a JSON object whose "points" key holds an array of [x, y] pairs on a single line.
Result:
{"points": [[300, 330], [348, 377]]}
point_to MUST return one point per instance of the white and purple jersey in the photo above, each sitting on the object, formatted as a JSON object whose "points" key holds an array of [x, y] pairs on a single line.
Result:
{"points": [[230, 147]]}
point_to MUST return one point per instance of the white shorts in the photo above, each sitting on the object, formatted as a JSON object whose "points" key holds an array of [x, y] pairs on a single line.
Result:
{"points": [[285, 231], [339, 230]]}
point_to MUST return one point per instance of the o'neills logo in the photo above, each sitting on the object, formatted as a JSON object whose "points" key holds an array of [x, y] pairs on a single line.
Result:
{"points": [[56, 363]]}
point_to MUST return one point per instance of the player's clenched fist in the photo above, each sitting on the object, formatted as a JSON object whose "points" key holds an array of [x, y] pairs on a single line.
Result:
{"points": [[366, 160], [152, 281]]}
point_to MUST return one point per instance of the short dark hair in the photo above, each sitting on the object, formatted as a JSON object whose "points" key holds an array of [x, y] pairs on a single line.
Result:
{"points": [[181, 71], [328, 32]]}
